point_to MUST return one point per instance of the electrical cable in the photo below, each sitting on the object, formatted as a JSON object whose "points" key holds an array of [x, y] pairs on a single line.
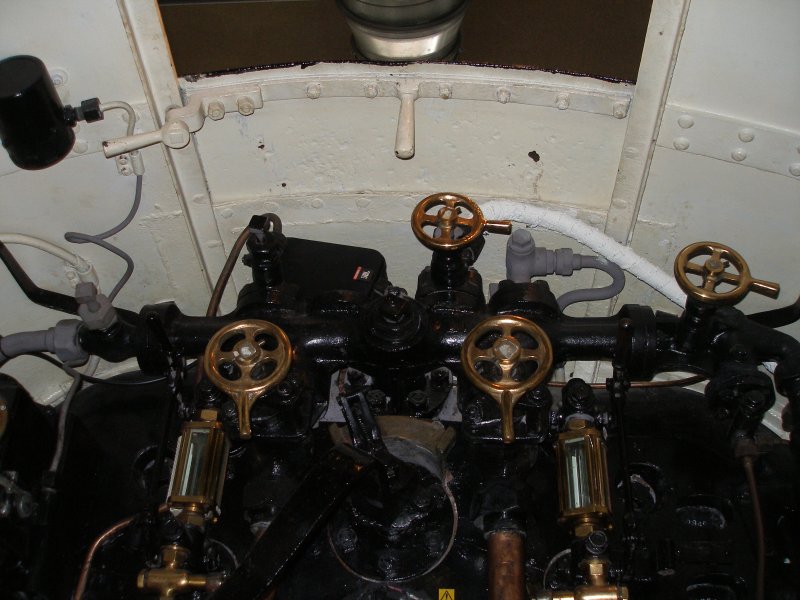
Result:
{"points": [[93, 380], [749, 470], [552, 562], [99, 240], [77, 382]]}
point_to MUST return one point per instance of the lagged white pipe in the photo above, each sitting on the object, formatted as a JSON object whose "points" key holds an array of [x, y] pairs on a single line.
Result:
{"points": [[599, 242]]}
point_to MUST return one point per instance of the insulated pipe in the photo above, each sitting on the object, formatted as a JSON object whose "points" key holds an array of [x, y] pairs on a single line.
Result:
{"points": [[624, 256]]}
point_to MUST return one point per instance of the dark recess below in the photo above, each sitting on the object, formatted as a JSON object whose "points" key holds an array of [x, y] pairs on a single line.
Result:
{"points": [[600, 39]]}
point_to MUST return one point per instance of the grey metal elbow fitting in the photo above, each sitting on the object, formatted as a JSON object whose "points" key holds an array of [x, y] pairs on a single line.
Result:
{"points": [[524, 260]]}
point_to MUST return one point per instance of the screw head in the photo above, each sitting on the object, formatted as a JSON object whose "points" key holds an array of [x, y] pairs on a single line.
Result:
{"points": [[562, 101], [314, 91], [445, 91], [794, 169], [620, 110], [739, 154], [58, 77], [503, 96], [371, 90], [686, 121]]}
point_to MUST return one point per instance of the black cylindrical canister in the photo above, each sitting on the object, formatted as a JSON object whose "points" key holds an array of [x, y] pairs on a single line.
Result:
{"points": [[33, 128]]}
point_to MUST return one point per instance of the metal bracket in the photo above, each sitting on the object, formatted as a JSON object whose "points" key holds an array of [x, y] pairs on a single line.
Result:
{"points": [[181, 122]]}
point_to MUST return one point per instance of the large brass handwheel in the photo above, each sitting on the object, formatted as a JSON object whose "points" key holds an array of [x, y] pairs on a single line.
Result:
{"points": [[714, 271], [506, 354], [449, 219], [246, 359]]}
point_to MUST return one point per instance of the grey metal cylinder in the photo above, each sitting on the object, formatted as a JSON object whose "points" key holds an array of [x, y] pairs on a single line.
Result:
{"points": [[404, 30]]}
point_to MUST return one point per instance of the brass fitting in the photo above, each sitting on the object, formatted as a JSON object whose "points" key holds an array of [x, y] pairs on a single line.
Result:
{"points": [[584, 492], [589, 592], [172, 578], [595, 571]]}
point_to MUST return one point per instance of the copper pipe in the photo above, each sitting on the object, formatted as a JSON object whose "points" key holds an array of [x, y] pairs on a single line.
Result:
{"points": [[506, 562], [747, 463], [87, 562], [643, 384]]}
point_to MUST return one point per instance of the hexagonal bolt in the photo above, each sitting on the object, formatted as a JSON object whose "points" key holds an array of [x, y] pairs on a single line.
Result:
{"points": [[216, 110], [245, 106], [445, 91]]}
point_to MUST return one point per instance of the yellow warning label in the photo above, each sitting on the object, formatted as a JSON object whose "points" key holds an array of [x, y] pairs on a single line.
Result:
{"points": [[447, 594]]}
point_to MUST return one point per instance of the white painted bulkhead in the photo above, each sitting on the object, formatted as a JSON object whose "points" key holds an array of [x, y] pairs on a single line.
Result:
{"points": [[705, 146]]}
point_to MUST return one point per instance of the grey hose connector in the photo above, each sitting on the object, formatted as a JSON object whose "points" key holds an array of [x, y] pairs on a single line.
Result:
{"points": [[524, 261], [61, 340], [604, 293], [17, 344]]}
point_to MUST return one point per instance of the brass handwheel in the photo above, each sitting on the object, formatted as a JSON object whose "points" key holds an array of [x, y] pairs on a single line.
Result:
{"points": [[448, 219], [713, 272], [506, 353], [238, 362]]}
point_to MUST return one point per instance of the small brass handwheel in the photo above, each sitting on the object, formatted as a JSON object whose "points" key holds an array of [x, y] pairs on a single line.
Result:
{"points": [[714, 272], [448, 220], [245, 359], [507, 354]]}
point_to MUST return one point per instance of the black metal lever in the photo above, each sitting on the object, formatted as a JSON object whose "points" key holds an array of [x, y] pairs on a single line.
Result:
{"points": [[328, 482], [778, 317], [35, 294]]}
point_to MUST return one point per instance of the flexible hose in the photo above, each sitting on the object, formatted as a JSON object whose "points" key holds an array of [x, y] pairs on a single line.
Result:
{"points": [[25, 342], [599, 242], [100, 240], [74, 260], [602, 293], [62, 423]]}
